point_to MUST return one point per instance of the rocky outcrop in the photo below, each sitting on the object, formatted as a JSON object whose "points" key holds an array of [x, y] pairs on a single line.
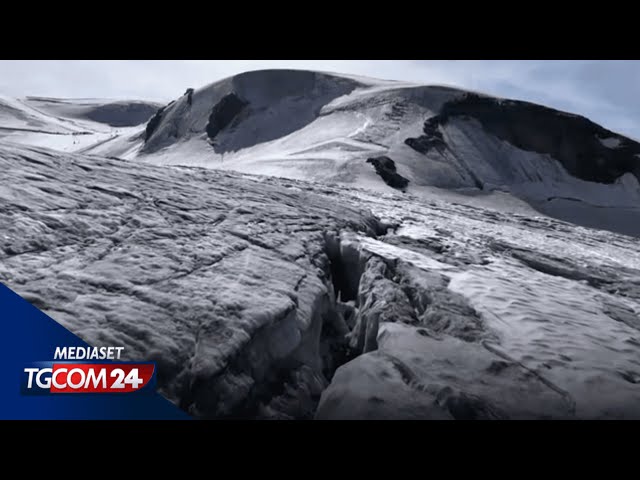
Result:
{"points": [[154, 122], [386, 168], [587, 150], [432, 137], [223, 113], [189, 94]]}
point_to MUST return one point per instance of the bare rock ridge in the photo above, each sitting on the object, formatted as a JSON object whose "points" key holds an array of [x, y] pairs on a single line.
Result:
{"points": [[223, 113], [189, 94], [588, 151], [154, 122]]}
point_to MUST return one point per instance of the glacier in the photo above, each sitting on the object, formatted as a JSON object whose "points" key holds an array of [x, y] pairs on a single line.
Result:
{"points": [[271, 273]]}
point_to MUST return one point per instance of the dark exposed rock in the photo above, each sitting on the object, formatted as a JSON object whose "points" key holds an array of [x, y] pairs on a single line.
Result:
{"points": [[576, 142], [154, 122], [223, 113], [386, 168], [189, 94], [432, 137]]}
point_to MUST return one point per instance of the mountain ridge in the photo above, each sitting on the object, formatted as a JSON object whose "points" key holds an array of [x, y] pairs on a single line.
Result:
{"points": [[480, 142], [331, 128]]}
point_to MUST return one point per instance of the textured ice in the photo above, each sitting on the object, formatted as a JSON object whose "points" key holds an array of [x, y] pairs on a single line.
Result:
{"points": [[539, 319], [249, 291], [195, 269]]}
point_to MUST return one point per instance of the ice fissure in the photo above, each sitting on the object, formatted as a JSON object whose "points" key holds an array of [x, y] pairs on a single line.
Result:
{"points": [[282, 369]]}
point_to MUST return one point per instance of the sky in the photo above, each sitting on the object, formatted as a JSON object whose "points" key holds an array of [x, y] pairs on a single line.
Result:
{"points": [[606, 91]]}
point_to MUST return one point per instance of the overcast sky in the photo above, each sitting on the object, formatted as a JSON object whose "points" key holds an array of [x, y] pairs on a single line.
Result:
{"points": [[606, 91]]}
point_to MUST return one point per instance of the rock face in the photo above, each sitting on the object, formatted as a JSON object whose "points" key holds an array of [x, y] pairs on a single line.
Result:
{"points": [[261, 297], [386, 168], [153, 123], [189, 94], [431, 139], [588, 151], [223, 113]]}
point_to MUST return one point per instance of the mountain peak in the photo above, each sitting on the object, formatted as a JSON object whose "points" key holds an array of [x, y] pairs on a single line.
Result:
{"points": [[332, 127]]}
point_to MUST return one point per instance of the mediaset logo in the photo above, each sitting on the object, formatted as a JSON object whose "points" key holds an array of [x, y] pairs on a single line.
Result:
{"points": [[72, 371]]}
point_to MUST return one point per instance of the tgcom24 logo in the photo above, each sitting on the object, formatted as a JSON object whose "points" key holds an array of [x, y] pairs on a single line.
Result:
{"points": [[90, 370]]}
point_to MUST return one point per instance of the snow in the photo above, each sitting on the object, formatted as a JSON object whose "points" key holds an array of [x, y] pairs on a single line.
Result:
{"points": [[533, 313], [60, 124], [392, 252], [63, 143], [311, 127], [17, 114], [611, 142], [323, 127]]}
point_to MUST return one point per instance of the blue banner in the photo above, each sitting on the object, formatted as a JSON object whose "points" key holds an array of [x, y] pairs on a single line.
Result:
{"points": [[59, 389]]}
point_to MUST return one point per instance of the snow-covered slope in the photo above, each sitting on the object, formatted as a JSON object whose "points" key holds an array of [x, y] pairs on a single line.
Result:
{"points": [[294, 124], [261, 297], [69, 125], [116, 113], [325, 127]]}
